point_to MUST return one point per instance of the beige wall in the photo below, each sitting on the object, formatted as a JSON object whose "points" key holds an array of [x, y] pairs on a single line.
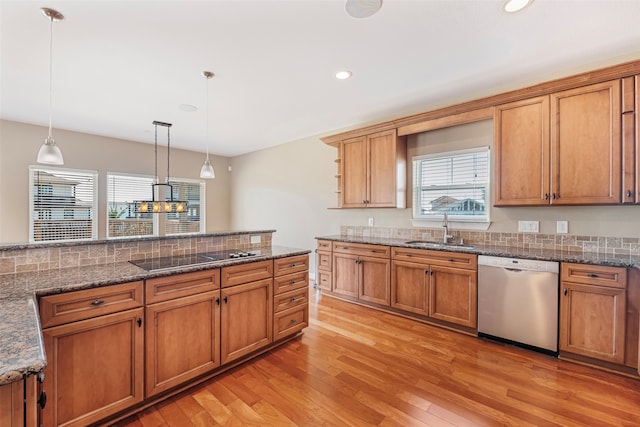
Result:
{"points": [[19, 144]]}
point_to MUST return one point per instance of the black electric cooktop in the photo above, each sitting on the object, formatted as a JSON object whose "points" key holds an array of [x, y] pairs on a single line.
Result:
{"points": [[168, 262]]}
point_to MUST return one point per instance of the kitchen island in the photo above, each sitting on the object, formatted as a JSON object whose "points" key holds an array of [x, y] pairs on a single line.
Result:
{"points": [[22, 351]]}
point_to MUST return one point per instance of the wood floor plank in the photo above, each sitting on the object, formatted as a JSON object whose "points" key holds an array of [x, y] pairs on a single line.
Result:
{"points": [[355, 366]]}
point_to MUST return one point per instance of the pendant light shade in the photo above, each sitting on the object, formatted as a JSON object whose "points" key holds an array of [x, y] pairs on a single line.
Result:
{"points": [[50, 153], [207, 172]]}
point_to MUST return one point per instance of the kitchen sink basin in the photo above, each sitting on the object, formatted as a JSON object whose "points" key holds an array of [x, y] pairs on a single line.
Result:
{"points": [[433, 243]]}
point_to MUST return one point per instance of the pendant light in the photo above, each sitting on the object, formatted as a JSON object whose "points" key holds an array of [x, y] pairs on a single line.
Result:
{"points": [[206, 171], [157, 206], [50, 153]]}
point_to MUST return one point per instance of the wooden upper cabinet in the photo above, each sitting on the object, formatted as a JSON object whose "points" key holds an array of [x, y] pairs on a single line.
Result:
{"points": [[630, 152], [373, 171], [522, 148], [586, 145], [564, 148]]}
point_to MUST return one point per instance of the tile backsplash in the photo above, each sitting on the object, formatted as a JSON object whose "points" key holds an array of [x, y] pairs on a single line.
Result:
{"points": [[558, 242], [41, 257]]}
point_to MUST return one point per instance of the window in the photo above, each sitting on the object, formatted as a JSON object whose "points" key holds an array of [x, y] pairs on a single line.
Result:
{"points": [[455, 183], [122, 220], [62, 204], [191, 221]]}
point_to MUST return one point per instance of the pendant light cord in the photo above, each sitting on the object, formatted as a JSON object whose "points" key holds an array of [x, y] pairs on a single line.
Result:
{"points": [[207, 142], [50, 76]]}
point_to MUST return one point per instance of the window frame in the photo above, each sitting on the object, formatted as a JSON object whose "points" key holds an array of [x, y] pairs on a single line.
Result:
{"points": [[154, 217], [48, 214], [202, 214], [462, 221]]}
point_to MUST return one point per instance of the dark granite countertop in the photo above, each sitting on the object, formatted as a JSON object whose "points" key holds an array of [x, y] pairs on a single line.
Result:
{"points": [[615, 260], [21, 348]]}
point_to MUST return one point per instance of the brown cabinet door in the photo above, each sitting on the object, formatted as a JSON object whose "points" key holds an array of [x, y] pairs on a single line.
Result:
{"points": [[182, 340], [586, 145], [382, 154], [410, 287], [354, 172], [94, 368], [374, 276], [345, 274], [12, 404], [592, 321], [453, 296], [246, 318], [521, 143]]}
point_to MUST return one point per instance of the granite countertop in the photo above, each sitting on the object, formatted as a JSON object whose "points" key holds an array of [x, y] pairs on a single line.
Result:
{"points": [[615, 260], [21, 347]]}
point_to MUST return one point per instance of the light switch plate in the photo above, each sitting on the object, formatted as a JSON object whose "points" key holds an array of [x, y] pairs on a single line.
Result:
{"points": [[255, 239], [562, 227], [529, 226], [371, 222]]}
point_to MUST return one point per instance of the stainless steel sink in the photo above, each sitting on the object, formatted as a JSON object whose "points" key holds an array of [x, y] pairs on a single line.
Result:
{"points": [[432, 244]]}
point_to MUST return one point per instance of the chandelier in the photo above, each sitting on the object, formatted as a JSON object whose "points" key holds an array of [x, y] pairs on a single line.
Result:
{"points": [[169, 205]]}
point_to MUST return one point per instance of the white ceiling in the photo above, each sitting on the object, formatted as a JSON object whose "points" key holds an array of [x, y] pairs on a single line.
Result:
{"points": [[119, 65]]}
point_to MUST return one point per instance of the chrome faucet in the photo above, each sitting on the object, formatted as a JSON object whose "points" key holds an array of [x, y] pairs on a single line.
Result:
{"points": [[445, 225]]}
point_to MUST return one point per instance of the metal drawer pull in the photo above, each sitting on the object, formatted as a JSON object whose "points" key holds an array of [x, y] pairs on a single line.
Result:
{"points": [[42, 399], [97, 302], [293, 265], [293, 321], [592, 275], [293, 299]]}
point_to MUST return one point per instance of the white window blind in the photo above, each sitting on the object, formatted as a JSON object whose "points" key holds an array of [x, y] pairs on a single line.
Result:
{"points": [[122, 220], [191, 221], [62, 204], [455, 183]]}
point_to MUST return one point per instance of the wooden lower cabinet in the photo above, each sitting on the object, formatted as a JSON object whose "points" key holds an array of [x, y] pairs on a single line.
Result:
{"points": [[18, 406], [593, 312], [246, 318], [363, 277], [592, 321], [182, 340], [453, 295], [94, 368], [345, 274], [410, 287]]}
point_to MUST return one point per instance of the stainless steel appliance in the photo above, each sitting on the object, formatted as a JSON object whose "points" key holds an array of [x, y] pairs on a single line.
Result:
{"points": [[518, 301]]}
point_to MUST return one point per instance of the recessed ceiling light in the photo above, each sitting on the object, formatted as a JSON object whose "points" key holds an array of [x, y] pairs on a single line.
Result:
{"points": [[343, 75], [188, 108], [362, 8], [511, 6]]}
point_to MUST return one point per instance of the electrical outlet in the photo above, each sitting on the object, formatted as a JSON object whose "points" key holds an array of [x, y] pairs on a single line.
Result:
{"points": [[371, 222], [255, 240], [529, 226], [562, 227]]}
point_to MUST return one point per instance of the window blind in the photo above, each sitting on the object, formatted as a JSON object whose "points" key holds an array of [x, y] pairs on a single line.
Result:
{"points": [[122, 220], [62, 204], [191, 221], [455, 183]]}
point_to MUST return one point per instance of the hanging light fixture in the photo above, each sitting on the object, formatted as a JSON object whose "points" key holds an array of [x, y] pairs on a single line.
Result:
{"points": [[206, 171], [157, 206], [50, 153]]}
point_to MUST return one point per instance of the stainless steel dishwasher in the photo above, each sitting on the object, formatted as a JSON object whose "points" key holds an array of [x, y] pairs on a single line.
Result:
{"points": [[518, 301]]}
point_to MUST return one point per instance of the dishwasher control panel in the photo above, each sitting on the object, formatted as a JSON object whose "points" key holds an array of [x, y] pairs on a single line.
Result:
{"points": [[519, 263]]}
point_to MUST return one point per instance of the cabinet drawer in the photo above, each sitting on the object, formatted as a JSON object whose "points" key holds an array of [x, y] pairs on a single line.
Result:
{"points": [[79, 305], [290, 282], [290, 321], [290, 265], [447, 259], [362, 249], [324, 280], [324, 261], [615, 277], [181, 285], [245, 273], [324, 245], [290, 299]]}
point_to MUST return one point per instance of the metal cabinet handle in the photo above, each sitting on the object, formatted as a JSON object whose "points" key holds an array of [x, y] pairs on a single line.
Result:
{"points": [[546, 196], [97, 302], [218, 300], [139, 322], [565, 292], [42, 399], [592, 275], [293, 299], [226, 299], [292, 321], [628, 193], [553, 196]]}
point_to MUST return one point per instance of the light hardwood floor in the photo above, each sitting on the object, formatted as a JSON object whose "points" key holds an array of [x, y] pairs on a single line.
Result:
{"points": [[355, 366]]}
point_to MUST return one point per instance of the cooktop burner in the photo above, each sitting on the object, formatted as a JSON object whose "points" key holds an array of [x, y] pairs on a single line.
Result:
{"points": [[163, 263]]}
